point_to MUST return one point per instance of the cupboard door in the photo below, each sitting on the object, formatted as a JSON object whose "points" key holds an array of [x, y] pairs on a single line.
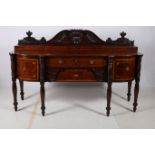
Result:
{"points": [[124, 69], [28, 69]]}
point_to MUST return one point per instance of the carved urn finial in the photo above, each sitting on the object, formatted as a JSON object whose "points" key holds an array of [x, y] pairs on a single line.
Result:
{"points": [[29, 34], [123, 34]]}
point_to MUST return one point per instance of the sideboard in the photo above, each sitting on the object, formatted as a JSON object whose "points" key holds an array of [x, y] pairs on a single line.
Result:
{"points": [[76, 56]]}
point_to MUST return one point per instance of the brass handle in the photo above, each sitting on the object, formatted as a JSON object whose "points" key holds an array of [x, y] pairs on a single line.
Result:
{"points": [[60, 62], [118, 63], [127, 68], [92, 62], [75, 60], [24, 68], [33, 63], [76, 75]]}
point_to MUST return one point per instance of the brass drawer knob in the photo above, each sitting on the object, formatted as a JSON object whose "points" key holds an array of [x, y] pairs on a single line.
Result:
{"points": [[117, 64], [33, 63], [24, 68], [76, 75], [92, 62], [60, 62], [76, 61], [127, 68]]}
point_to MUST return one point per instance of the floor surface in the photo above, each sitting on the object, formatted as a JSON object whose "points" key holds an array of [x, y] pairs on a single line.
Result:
{"points": [[77, 106]]}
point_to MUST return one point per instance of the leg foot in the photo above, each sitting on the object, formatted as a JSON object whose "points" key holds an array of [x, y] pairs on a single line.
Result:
{"points": [[42, 93], [21, 89], [129, 90], [135, 107], [15, 106], [14, 91], [108, 108], [136, 92], [108, 111]]}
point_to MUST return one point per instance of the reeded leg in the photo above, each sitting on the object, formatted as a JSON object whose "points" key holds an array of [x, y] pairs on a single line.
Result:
{"points": [[42, 94], [108, 108], [136, 92], [129, 90], [14, 91], [21, 89]]}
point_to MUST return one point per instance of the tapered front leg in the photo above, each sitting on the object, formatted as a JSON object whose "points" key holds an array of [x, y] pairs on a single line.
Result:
{"points": [[42, 82], [136, 92], [129, 90], [14, 77], [137, 80], [109, 90], [21, 83], [14, 91], [42, 94]]}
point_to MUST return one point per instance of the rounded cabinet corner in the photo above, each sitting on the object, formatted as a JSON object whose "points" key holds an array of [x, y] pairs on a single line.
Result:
{"points": [[28, 68], [124, 69]]}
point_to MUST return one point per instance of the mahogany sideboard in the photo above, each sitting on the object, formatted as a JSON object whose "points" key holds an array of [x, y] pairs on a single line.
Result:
{"points": [[76, 56]]}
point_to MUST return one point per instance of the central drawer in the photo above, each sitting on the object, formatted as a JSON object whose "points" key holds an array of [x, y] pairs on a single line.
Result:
{"points": [[75, 62], [73, 75]]}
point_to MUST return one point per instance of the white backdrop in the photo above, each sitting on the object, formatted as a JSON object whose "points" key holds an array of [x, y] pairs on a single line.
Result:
{"points": [[144, 38]]}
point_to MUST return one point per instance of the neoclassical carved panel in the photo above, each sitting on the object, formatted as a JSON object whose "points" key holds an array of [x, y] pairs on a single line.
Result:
{"points": [[76, 37]]}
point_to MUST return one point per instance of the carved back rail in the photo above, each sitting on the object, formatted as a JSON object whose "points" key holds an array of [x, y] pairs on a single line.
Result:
{"points": [[75, 37]]}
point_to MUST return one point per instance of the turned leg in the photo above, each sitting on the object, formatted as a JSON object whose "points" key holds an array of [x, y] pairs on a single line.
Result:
{"points": [[110, 66], [137, 81], [42, 94], [136, 92], [14, 77], [108, 108], [21, 89], [129, 90], [14, 91]]}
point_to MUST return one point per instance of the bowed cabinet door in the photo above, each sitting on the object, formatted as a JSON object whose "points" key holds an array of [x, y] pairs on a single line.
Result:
{"points": [[28, 68], [124, 69]]}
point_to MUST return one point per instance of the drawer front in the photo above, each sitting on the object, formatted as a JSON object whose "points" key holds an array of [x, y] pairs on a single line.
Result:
{"points": [[60, 62], [75, 62], [28, 69], [92, 62], [73, 75], [124, 69]]}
